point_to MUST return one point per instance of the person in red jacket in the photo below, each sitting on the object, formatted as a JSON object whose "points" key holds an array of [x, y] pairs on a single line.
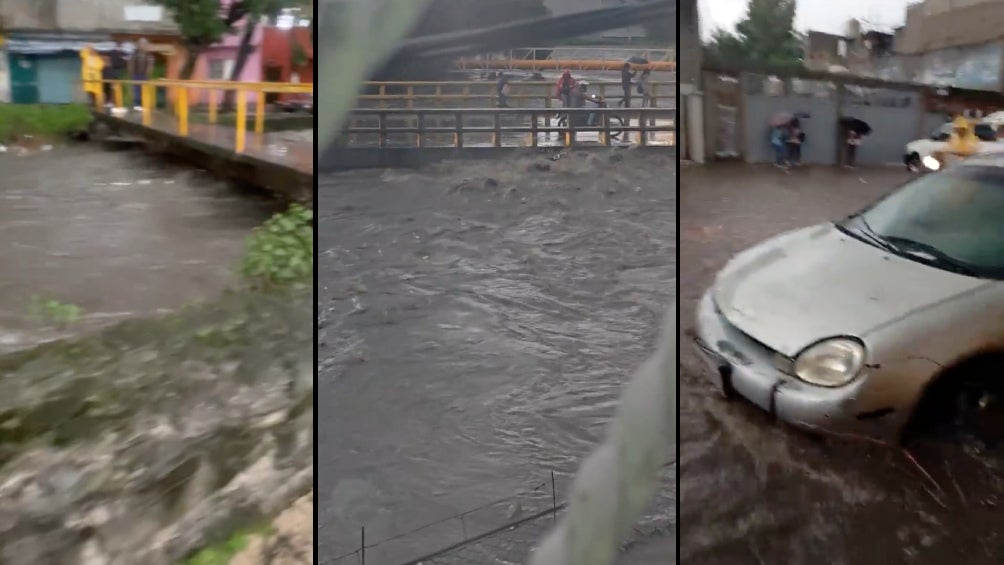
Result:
{"points": [[565, 87]]}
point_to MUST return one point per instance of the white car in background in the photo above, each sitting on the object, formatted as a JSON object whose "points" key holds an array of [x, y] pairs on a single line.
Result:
{"points": [[916, 151]]}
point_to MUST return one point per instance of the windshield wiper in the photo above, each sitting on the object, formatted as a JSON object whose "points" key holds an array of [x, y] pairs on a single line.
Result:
{"points": [[933, 255], [872, 236]]}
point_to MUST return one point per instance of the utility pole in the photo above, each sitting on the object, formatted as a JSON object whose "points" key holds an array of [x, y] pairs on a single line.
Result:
{"points": [[688, 73]]}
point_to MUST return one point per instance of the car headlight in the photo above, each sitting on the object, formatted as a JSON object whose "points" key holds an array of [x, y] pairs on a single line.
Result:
{"points": [[831, 363]]}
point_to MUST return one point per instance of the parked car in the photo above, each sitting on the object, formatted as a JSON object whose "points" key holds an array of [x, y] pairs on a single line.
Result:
{"points": [[297, 103], [877, 325], [916, 151]]}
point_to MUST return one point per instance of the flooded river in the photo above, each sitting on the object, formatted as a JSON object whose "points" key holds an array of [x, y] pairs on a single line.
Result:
{"points": [[752, 491], [476, 324], [117, 233]]}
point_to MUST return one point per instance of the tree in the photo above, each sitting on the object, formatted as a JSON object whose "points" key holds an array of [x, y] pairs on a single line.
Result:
{"points": [[201, 24], [764, 37], [253, 12]]}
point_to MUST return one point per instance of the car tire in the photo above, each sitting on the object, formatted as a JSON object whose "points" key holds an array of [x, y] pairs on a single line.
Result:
{"points": [[978, 411], [965, 403]]}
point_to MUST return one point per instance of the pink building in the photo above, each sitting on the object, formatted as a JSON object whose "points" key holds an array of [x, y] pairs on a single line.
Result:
{"points": [[218, 61]]}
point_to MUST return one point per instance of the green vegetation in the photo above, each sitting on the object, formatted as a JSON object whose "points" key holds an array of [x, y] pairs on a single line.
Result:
{"points": [[203, 23], [46, 121], [52, 311], [222, 553], [281, 252], [765, 37]]}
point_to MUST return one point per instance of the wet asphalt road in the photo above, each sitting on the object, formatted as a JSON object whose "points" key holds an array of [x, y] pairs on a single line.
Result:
{"points": [[755, 492], [476, 323]]}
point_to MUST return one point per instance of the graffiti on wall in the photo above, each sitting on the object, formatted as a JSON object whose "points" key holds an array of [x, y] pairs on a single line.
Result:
{"points": [[977, 68]]}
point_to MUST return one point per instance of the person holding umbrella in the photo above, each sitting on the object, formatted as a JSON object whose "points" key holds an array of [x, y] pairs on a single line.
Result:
{"points": [[854, 132], [778, 135], [795, 138]]}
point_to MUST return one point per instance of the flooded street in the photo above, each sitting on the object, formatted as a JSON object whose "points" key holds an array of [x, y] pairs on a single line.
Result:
{"points": [[117, 233], [752, 491], [477, 322]]}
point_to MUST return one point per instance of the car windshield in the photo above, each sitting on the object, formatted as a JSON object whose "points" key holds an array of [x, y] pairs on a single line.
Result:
{"points": [[953, 220]]}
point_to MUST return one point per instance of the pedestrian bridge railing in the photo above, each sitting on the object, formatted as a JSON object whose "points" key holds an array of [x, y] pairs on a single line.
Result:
{"points": [[559, 64], [590, 52], [508, 127], [206, 94], [523, 94]]}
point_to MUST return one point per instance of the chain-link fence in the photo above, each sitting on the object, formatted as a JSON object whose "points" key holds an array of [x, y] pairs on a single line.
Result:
{"points": [[499, 531], [502, 531]]}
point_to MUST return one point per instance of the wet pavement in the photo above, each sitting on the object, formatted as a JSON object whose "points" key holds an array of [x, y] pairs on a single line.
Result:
{"points": [[476, 322], [755, 492], [118, 233]]}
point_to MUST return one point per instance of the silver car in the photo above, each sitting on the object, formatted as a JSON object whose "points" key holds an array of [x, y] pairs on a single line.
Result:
{"points": [[888, 320]]}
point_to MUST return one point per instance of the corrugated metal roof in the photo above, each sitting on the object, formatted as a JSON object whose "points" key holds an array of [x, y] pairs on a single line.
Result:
{"points": [[52, 46]]}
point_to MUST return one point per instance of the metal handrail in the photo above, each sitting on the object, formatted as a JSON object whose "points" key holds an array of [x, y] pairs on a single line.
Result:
{"points": [[559, 64], [549, 83], [148, 91], [416, 91], [530, 125]]}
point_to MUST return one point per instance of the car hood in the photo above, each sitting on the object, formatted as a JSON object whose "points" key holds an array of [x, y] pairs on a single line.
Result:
{"points": [[814, 283]]}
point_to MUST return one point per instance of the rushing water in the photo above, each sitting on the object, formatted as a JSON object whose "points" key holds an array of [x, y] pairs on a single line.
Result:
{"points": [[476, 324], [118, 233]]}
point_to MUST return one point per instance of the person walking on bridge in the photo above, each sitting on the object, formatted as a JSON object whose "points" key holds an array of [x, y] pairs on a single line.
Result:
{"points": [[502, 90], [626, 76], [140, 66], [565, 87]]}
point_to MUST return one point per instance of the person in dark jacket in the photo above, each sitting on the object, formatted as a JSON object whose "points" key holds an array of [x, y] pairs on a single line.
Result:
{"points": [[114, 69], [794, 140], [140, 67], [502, 90], [626, 76]]}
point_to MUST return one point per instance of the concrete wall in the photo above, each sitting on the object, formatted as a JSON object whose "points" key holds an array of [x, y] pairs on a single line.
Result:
{"points": [[951, 23], [896, 117], [977, 67], [81, 16], [819, 123]]}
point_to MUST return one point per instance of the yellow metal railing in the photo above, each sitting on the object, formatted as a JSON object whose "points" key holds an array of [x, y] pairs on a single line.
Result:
{"points": [[419, 94], [182, 100]]}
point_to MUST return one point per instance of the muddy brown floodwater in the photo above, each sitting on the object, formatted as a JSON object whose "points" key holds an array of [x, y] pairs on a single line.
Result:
{"points": [[477, 322], [118, 233], [755, 492]]}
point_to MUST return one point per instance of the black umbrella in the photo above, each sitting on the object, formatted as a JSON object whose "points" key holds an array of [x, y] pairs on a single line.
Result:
{"points": [[636, 60], [859, 127]]}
